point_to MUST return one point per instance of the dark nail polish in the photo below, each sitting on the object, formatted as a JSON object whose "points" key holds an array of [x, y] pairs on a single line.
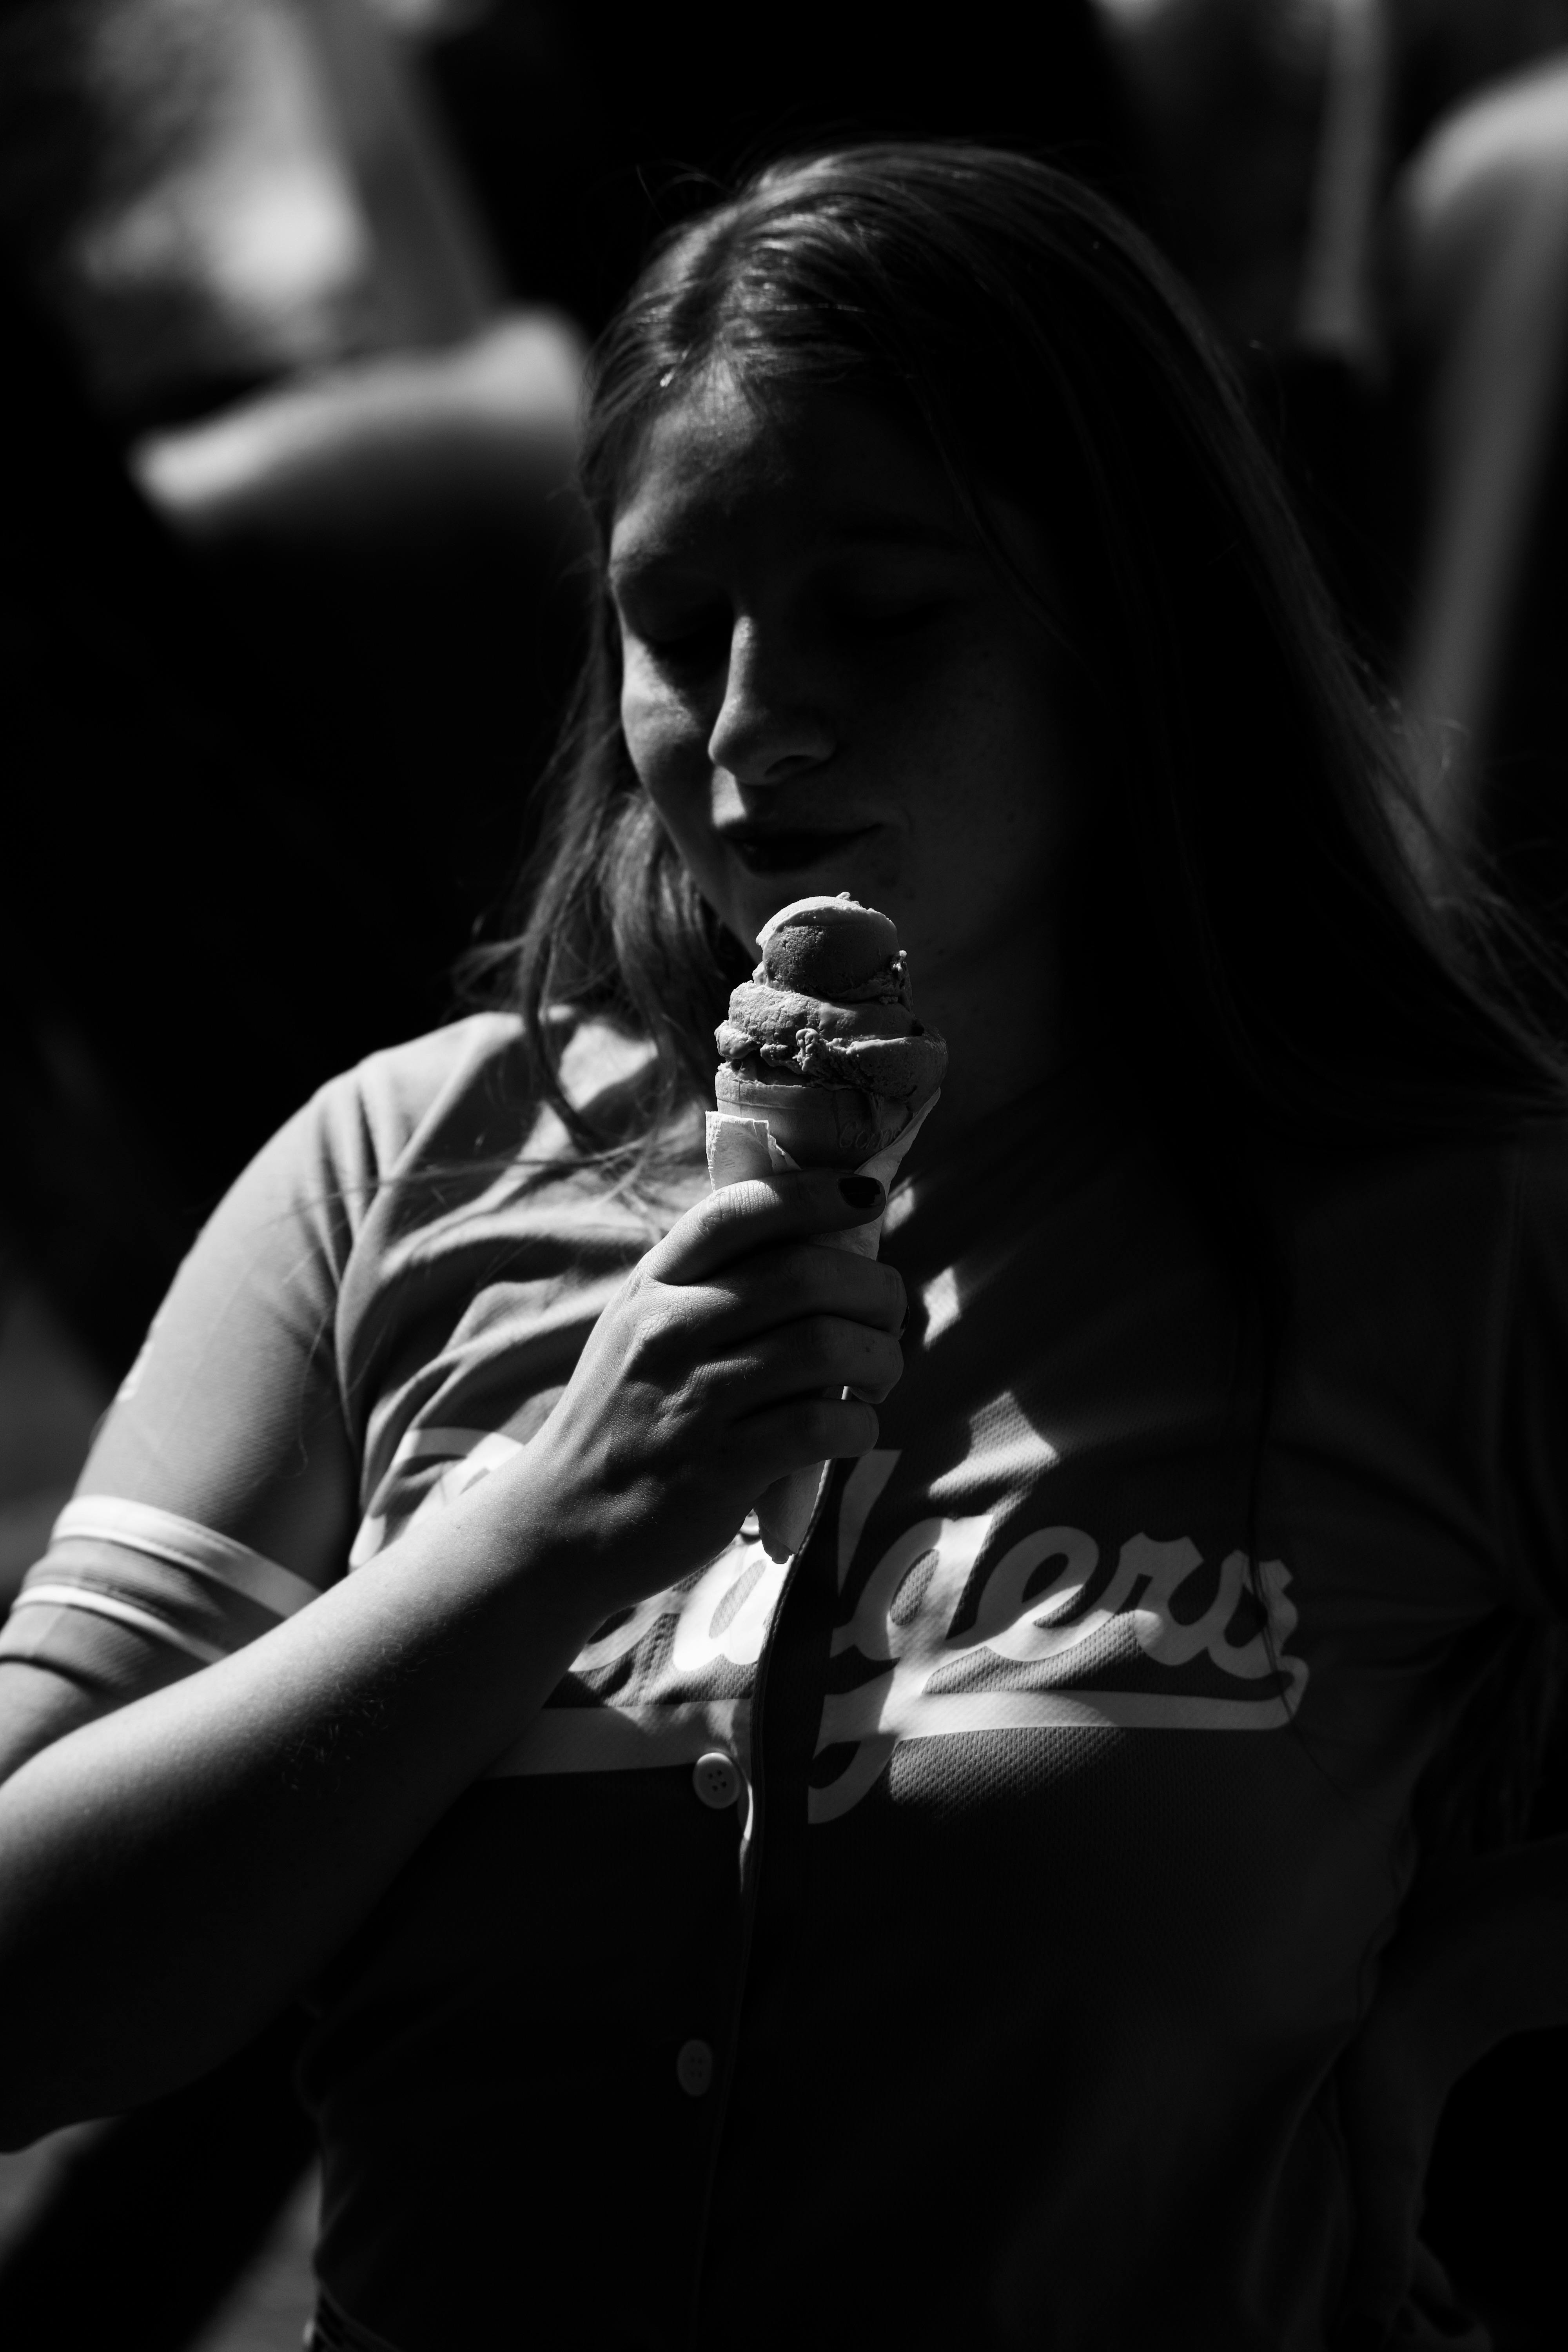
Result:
{"points": [[862, 1193]]}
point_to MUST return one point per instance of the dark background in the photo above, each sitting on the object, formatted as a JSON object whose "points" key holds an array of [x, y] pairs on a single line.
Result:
{"points": [[260, 795]]}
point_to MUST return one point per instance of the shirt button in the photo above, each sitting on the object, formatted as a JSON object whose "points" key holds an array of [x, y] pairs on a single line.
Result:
{"points": [[717, 1778], [694, 2068]]}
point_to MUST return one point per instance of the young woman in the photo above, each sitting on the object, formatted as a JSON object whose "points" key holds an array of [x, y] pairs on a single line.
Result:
{"points": [[1051, 1909]]}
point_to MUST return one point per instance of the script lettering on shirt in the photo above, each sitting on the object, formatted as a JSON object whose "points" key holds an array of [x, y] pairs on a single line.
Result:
{"points": [[909, 1627], [949, 1634]]}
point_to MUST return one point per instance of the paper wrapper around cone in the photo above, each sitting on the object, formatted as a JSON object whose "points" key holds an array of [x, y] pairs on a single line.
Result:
{"points": [[741, 1149]]}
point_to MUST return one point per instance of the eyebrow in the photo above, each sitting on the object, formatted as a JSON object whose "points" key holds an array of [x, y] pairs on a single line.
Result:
{"points": [[871, 529], [874, 529]]}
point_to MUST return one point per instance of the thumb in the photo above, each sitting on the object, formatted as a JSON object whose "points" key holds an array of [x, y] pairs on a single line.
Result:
{"points": [[739, 1218]]}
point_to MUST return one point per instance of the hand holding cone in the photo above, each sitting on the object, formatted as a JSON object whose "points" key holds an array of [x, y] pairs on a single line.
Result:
{"points": [[824, 1066]]}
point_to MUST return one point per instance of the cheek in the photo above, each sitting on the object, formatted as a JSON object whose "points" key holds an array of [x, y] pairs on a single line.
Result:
{"points": [[668, 753], [663, 736], [647, 724]]}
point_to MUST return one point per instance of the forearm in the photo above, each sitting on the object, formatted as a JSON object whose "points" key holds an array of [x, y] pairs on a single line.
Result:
{"points": [[171, 1873]]}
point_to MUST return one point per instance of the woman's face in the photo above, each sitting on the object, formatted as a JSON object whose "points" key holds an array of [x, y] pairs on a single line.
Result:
{"points": [[826, 686]]}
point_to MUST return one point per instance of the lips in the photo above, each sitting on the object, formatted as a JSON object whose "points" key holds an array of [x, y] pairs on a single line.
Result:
{"points": [[771, 849]]}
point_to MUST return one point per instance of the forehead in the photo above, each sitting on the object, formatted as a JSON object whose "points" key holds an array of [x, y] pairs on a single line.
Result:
{"points": [[719, 464]]}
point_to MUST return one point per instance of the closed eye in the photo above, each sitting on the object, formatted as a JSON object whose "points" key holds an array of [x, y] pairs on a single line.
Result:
{"points": [[684, 648], [892, 594], [887, 617]]}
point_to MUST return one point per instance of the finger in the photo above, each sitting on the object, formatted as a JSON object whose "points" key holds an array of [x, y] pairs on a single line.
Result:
{"points": [[820, 1351], [774, 1286], [809, 1429], [743, 1217]]}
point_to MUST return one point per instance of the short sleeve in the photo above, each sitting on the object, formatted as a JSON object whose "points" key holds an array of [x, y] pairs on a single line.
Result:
{"points": [[224, 1489], [218, 1495]]}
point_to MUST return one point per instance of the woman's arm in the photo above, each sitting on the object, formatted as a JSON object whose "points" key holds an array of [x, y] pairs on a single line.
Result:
{"points": [[171, 1873]]}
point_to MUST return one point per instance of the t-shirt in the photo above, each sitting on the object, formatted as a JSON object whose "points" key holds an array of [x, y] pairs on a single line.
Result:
{"points": [[947, 1937]]}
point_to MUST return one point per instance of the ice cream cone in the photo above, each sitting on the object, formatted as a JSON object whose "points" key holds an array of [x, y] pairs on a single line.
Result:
{"points": [[740, 1149], [823, 1065], [819, 1127]]}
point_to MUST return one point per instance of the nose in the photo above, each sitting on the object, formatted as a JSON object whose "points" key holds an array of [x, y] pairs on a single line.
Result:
{"points": [[773, 724]]}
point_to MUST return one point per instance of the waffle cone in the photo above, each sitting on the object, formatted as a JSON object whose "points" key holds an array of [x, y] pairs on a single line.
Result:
{"points": [[743, 1147]]}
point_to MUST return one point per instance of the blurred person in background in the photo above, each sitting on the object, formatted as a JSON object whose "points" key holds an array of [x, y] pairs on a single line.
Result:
{"points": [[283, 579], [1372, 198], [283, 310], [152, 860]]}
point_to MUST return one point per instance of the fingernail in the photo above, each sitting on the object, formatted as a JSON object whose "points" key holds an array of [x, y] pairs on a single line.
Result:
{"points": [[862, 1191]]}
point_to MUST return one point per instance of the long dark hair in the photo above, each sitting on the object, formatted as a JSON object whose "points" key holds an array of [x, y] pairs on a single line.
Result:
{"points": [[1272, 946], [1271, 941]]}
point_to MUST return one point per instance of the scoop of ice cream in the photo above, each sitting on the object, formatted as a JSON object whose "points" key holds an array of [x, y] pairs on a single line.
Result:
{"points": [[877, 1045], [833, 948], [823, 1039]]}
